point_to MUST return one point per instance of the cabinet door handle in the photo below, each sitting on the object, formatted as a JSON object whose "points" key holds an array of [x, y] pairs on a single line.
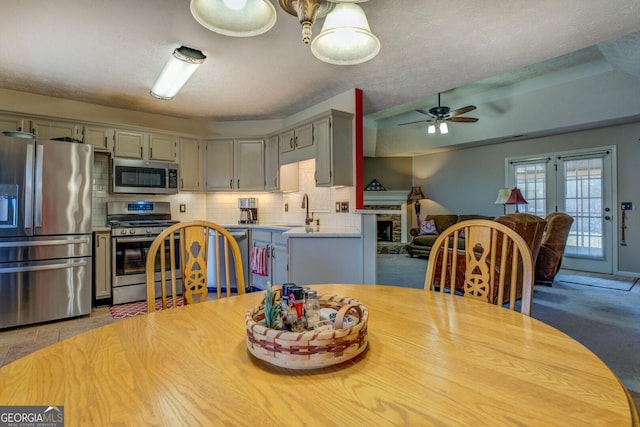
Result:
{"points": [[273, 252], [140, 152], [315, 176], [151, 152], [98, 242], [181, 183], [231, 183], [105, 141], [296, 143], [238, 187], [291, 142]]}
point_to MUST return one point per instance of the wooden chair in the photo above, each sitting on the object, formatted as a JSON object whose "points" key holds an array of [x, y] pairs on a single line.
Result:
{"points": [[193, 255], [482, 259]]}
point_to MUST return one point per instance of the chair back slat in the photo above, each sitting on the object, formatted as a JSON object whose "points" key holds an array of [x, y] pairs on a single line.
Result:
{"points": [[191, 258], [490, 262]]}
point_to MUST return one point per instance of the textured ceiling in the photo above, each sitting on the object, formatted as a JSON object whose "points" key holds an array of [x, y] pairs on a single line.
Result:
{"points": [[110, 52]]}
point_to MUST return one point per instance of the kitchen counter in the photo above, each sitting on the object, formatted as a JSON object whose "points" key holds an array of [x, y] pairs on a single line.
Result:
{"points": [[322, 231], [99, 229]]}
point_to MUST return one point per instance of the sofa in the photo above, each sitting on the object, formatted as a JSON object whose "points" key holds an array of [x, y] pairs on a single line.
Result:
{"points": [[420, 244]]}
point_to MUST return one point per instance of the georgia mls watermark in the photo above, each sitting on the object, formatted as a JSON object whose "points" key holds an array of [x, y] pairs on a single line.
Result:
{"points": [[31, 416]]}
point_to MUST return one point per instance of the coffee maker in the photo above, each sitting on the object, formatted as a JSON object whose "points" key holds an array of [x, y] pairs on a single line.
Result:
{"points": [[248, 210]]}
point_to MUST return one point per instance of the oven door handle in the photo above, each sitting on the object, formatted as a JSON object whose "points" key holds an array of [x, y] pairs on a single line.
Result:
{"points": [[133, 239]]}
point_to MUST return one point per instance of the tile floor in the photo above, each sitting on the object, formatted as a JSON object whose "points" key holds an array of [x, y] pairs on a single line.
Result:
{"points": [[18, 342]]}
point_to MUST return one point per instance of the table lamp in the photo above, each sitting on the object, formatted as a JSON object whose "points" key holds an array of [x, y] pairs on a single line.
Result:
{"points": [[516, 198], [503, 196], [415, 195]]}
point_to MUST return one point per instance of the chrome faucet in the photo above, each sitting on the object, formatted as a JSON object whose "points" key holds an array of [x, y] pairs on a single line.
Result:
{"points": [[305, 204]]}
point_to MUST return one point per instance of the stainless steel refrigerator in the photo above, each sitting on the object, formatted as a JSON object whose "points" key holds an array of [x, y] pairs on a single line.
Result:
{"points": [[45, 230]]}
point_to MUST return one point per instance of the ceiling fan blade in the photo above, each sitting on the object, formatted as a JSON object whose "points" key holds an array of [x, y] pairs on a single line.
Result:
{"points": [[462, 110], [462, 119], [418, 121]]}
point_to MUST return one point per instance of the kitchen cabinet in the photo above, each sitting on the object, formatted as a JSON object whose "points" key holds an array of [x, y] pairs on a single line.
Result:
{"points": [[98, 136], [334, 144], [235, 165], [162, 147], [14, 123], [275, 243], [128, 143], [190, 165], [47, 129], [102, 265], [271, 165], [297, 144], [219, 165], [325, 259]]}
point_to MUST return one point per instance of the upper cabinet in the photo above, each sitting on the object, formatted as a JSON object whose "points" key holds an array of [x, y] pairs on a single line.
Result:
{"points": [[14, 123], [162, 147], [334, 144], [100, 137], [190, 165], [47, 129], [128, 144], [235, 165], [297, 144], [271, 159], [140, 145]]}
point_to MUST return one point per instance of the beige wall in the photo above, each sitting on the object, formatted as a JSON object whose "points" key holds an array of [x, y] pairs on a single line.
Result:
{"points": [[467, 180], [394, 173]]}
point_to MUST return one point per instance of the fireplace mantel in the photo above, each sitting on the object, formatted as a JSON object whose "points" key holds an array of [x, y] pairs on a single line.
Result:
{"points": [[391, 198]]}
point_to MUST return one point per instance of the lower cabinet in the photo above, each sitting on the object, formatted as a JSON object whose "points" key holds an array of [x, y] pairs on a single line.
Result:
{"points": [[275, 245], [314, 260], [102, 267]]}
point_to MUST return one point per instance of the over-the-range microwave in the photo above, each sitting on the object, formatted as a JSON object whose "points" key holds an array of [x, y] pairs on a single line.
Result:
{"points": [[132, 176]]}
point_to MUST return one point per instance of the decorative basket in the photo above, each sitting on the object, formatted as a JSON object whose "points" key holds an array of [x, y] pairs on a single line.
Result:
{"points": [[309, 349]]}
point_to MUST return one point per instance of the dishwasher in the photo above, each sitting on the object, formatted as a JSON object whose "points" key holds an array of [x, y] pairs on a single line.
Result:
{"points": [[241, 235]]}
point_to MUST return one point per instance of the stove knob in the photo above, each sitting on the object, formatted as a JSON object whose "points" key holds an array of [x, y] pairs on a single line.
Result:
{"points": [[132, 231], [123, 231], [149, 230]]}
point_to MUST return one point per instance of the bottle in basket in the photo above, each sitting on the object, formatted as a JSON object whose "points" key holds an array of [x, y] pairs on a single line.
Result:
{"points": [[311, 308]]}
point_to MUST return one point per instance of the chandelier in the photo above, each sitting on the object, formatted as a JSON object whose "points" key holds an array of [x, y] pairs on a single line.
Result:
{"points": [[345, 37]]}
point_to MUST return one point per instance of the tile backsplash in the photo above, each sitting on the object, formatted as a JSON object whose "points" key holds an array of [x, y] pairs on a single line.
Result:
{"points": [[222, 207]]}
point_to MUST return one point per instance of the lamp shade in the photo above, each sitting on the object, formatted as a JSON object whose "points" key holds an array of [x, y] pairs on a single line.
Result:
{"points": [[503, 196], [183, 63], [416, 193], [515, 198], [345, 38], [237, 18]]}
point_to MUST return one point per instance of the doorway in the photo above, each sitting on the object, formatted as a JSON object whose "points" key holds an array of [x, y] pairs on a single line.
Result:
{"points": [[580, 183]]}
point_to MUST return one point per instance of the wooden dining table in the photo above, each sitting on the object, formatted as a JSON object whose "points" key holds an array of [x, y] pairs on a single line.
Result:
{"points": [[431, 359]]}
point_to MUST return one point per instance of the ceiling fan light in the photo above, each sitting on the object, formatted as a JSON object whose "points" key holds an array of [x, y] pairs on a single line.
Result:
{"points": [[444, 129], [345, 38], [236, 18], [183, 63], [431, 129]]}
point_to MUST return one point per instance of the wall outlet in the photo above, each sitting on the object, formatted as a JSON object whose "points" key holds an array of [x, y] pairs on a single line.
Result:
{"points": [[344, 207], [338, 207], [183, 207], [626, 206], [286, 207]]}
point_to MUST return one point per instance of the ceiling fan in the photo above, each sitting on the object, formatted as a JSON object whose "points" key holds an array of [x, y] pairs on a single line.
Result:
{"points": [[439, 115]]}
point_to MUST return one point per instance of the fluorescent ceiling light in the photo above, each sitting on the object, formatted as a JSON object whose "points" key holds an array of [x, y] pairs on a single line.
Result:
{"points": [[179, 69]]}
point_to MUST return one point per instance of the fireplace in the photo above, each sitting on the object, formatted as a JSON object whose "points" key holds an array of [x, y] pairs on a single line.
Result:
{"points": [[384, 230]]}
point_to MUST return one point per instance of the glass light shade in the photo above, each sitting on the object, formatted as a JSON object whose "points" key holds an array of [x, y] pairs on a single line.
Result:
{"points": [[236, 18], [503, 196], [431, 129], [183, 63], [345, 38], [444, 128]]}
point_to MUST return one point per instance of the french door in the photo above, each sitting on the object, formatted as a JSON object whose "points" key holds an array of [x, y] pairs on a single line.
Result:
{"points": [[581, 184]]}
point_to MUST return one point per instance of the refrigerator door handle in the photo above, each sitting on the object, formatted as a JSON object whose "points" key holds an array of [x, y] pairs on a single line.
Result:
{"points": [[43, 267], [40, 243], [28, 188], [38, 184]]}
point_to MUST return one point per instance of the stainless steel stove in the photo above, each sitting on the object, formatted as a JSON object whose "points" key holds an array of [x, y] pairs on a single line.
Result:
{"points": [[134, 226]]}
